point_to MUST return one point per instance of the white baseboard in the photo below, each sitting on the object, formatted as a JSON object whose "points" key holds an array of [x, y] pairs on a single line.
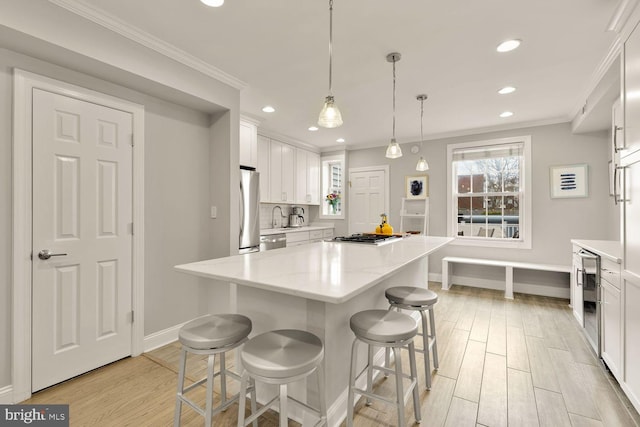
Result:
{"points": [[499, 285], [6, 395], [161, 338]]}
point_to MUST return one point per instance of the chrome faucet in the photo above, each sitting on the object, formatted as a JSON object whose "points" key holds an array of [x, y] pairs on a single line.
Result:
{"points": [[273, 218]]}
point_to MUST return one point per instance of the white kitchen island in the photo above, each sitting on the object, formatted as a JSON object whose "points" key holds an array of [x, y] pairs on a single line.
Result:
{"points": [[317, 287]]}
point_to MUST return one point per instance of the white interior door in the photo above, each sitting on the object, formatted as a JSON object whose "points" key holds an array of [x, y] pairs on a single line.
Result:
{"points": [[367, 199], [82, 213]]}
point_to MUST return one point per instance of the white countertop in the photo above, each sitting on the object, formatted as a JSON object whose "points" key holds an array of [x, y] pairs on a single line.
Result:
{"points": [[269, 231], [611, 249], [324, 271]]}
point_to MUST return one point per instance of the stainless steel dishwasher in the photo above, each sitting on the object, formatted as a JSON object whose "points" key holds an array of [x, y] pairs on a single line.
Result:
{"points": [[273, 241]]}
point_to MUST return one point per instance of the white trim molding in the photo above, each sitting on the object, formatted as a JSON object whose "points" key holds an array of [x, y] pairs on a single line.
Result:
{"points": [[24, 83], [384, 168], [162, 338], [143, 38], [526, 207], [6, 395]]}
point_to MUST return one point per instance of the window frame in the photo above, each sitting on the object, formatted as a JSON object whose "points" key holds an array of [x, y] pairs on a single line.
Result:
{"points": [[326, 162], [525, 218]]}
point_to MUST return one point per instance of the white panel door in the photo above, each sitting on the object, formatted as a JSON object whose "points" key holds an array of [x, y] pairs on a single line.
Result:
{"points": [[82, 208], [366, 200]]}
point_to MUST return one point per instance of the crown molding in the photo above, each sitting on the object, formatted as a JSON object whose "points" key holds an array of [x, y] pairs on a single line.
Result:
{"points": [[143, 38], [621, 15]]}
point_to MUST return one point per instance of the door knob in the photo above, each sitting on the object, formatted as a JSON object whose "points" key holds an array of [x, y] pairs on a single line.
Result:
{"points": [[46, 254]]}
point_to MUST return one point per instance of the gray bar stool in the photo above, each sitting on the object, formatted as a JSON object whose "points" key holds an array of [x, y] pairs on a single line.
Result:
{"points": [[422, 300], [392, 330], [282, 357], [210, 335]]}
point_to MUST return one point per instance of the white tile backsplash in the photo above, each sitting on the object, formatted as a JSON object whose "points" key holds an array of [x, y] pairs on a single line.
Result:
{"points": [[267, 213]]}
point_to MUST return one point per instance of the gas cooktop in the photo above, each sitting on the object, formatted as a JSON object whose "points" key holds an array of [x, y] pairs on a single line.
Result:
{"points": [[370, 239]]}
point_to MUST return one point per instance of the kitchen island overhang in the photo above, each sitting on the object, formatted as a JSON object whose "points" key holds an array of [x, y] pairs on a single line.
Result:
{"points": [[332, 272], [318, 287]]}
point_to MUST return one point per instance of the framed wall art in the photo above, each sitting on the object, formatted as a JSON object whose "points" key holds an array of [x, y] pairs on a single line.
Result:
{"points": [[417, 186], [568, 181]]}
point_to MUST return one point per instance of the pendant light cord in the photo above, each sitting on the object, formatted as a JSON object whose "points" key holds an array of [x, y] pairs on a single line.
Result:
{"points": [[394, 99], [421, 120], [330, 43]]}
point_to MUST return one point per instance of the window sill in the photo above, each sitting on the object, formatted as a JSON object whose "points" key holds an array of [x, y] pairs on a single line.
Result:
{"points": [[337, 216]]}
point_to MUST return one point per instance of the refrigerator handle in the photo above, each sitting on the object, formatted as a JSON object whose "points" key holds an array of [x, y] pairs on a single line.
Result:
{"points": [[241, 210]]}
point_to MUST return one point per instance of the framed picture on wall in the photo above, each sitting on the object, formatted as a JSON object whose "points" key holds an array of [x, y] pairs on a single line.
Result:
{"points": [[568, 181], [417, 186]]}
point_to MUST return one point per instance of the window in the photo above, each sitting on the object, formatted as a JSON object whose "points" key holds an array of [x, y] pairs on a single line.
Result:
{"points": [[332, 187], [489, 192]]}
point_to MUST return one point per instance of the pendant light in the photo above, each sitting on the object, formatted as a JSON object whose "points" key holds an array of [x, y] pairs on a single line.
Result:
{"points": [[422, 163], [393, 149], [330, 116]]}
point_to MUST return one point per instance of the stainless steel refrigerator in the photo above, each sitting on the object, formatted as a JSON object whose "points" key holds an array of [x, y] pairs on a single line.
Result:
{"points": [[249, 211]]}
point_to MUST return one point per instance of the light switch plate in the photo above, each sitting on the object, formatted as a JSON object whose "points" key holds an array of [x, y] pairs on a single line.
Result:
{"points": [[214, 211]]}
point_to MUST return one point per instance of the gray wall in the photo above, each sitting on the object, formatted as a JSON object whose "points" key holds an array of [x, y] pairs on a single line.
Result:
{"points": [[555, 221], [178, 178]]}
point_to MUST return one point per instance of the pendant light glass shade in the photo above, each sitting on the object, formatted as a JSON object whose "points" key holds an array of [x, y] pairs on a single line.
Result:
{"points": [[422, 163], [393, 149], [330, 116]]}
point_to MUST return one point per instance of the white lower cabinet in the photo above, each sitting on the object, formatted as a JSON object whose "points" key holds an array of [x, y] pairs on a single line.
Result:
{"points": [[296, 238], [631, 372], [612, 327]]}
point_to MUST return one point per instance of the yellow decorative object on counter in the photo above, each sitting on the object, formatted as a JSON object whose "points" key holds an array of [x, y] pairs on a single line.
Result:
{"points": [[384, 227]]}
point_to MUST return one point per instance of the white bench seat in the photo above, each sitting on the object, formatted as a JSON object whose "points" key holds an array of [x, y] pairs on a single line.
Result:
{"points": [[509, 266]]}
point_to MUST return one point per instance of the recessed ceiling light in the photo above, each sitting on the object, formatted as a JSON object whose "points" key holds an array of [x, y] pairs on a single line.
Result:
{"points": [[313, 128], [268, 109], [506, 114], [508, 45], [213, 3], [340, 140], [507, 89]]}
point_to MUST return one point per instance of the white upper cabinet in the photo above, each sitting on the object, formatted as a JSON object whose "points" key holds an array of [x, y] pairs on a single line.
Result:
{"points": [[248, 144], [288, 174], [631, 141], [264, 151], [307, 177], [281, 172]]}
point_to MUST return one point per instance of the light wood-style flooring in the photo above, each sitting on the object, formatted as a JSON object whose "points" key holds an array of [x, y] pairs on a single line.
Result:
{"points": [[502, 363]]}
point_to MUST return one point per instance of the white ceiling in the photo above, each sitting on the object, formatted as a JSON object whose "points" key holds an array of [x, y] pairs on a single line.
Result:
{"points": [[280, 50]]}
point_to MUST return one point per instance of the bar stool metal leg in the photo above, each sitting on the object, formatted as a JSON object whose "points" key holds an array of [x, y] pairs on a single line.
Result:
{"points": [[414, 374], [223, 380], [181, 373], [399, 388], [432, 336], [208, 416], [352, 382]]}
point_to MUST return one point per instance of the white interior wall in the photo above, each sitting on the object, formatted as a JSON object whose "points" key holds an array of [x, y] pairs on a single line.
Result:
{"points": [[178, 177], [555, 221]]}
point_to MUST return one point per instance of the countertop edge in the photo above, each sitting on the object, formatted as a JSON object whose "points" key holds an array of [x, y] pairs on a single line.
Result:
{"points": [[604, 248]]}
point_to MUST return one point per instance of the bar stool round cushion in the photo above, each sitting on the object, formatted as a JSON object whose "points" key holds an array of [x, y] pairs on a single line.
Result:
{"points": [[282, 353], [408, 295], [383, 325], [214, 331]]}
